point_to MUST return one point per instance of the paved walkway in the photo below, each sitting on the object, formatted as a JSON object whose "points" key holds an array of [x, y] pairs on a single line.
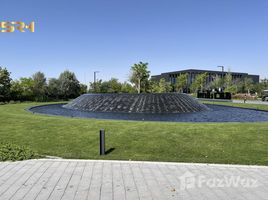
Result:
{"points": [[251, 102], [86, 179]]}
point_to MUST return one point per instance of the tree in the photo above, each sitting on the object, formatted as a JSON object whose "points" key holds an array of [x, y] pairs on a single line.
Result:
{"points": [[216, 83], [264, 84], [229, 84], [69, 85], [248, 84], [53, 88], [5, 84], [139, 76], [16, 90], [39, 86], [26, 85], [181, 82], [114, 86], [161, 87], [127, 88], [199, 82], [97, 87], [83, 89]]}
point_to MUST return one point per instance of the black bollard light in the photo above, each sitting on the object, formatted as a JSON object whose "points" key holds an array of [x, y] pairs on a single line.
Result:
{"points": [[102, 142]]}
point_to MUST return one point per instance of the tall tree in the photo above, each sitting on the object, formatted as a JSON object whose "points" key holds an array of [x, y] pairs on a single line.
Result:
{"points": [[127, 88], [69, 85], [83, 89], [39, 86], [161, 87], [229, 84], [26, 84], [114, 86], [216, 83], [248, 84], [199, 82], [139, 76], [181, 82], [5, 84], [53, 88]]}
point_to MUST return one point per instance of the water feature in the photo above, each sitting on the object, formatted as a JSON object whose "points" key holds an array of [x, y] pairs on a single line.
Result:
{"points": [[150, 107], [137, 103]]}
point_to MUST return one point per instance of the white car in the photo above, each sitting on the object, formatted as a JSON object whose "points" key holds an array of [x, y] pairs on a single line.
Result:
{"points": [[264, 95]]}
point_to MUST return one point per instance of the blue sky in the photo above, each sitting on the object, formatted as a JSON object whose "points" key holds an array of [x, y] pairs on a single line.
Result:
{"points": [[111, 35]]}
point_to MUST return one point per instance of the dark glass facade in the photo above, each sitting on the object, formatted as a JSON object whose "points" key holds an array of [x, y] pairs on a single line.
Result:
{"points": [[192, 73]]}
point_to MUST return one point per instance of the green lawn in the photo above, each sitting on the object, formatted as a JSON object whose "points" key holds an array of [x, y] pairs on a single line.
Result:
{"points": [[240, 143], [241, 105]]}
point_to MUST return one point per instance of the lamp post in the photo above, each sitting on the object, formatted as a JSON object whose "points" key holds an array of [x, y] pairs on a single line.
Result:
{"points": [[95, 73], [222, 71]]}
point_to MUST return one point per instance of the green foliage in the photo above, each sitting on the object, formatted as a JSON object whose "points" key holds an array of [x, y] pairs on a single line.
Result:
{"points": [[111, 86], [39, 86], [181, 82], [127, 88], [139, 76], [161, 87], [216, 83], [245, 85], [199, 82], [114, 86], [12, 152], [69, 85], [22, 89], [83, 89], [97, 87], [229, 84], [5, 84], [53, 88]]}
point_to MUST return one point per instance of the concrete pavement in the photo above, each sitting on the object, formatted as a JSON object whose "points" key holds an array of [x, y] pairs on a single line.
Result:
{"points": [[91, 179]]}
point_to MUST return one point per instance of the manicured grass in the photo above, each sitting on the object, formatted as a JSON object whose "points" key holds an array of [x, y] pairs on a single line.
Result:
{"points": [[240, 105], [240, 143]]}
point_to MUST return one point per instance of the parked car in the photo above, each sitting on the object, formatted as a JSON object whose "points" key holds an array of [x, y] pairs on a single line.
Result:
{"points": [[264, 95]]}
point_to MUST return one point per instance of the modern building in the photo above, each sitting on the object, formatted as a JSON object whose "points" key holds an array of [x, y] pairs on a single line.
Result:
{"points": [[192, 73]]}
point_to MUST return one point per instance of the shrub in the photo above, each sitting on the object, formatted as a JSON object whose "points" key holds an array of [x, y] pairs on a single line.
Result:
{"points": [[13, 152]]}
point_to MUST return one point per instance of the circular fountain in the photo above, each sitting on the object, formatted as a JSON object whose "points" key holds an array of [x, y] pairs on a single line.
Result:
{"points": [[174, 107], [137, 103]]}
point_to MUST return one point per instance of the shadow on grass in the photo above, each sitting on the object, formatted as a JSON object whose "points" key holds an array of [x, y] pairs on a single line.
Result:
{"points": [[109, 151]]}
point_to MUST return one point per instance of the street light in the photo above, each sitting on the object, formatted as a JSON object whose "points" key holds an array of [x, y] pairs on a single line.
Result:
{"points": [[222, 71], [95, 72]]}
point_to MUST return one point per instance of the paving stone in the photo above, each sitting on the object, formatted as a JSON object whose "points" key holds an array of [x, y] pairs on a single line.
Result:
{"points": [[96, 179]]}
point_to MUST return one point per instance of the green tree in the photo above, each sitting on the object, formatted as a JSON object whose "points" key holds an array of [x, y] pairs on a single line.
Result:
{"points": [[5, 84], [248, 84], [199, 82], [98, 87], [181, 82], [39, 86], [83, 89], [69, 85], [114, 86], [127, 88], [139, 76], [216, 83], [53, 88], [229, 84], [161, 87], [264, 84], [26, 85], [16, 90]]}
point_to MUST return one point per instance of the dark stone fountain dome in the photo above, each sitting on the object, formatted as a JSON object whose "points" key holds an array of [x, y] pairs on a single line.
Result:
{"points": [[137, 103]]}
